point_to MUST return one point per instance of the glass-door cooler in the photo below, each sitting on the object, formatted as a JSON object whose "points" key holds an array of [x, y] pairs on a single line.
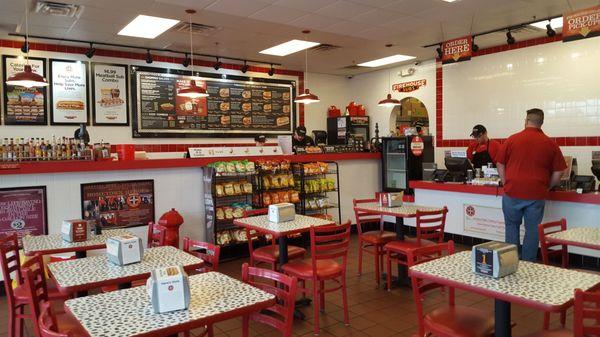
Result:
{"points": [[400, 163]]}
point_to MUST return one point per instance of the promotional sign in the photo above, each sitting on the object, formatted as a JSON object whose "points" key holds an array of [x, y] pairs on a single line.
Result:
{"points": [[409, 86], [235, 105], [23, 211], [118, 204], [109, 94], [203, 152], [417, 146], [69, 98], [581, 24], [24, 106], [457, 50], [486, 222]]}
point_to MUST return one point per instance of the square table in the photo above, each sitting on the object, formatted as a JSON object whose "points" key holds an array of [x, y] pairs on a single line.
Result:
{"points": [[96, 271], [213, 297], [585, 237], [542, 287], [54, 244]]}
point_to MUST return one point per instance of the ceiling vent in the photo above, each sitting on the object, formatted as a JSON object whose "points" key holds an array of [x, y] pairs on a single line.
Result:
{"points": [[57, 9], [197, 28], [324, 47]]}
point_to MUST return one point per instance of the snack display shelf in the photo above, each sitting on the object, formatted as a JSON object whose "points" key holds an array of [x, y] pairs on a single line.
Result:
{"points": [[305, 173], [319, 192]]}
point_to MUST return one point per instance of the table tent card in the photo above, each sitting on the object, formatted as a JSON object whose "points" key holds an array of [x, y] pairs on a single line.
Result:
{"points": [[495, 259], [282, 212], [391, 199], [75, 230], [125, 249], [169, 289]]}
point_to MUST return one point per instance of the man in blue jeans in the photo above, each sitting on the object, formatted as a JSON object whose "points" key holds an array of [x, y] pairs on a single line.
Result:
{"points": [[529, 164]]}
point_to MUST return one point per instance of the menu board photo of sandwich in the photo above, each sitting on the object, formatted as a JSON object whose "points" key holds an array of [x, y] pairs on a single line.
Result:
{"points": [[236, 105], [109, 89], [24, 106], [69, 92]]}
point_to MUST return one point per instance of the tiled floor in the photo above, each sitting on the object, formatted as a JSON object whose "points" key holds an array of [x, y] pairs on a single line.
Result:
{"points": [[373, 312]]}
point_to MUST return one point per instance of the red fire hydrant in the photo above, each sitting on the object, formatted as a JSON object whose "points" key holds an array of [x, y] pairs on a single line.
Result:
{"points": [[171, 220]]}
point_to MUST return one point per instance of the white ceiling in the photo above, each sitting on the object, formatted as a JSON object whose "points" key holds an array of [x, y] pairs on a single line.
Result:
{"points": [[361, 28]]}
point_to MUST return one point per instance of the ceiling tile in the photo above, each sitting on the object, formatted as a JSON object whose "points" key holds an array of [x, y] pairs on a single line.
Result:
{"points": [[313, 21], [305, 5], [412, 7], [238, 8], [278, 14], [375, 16], [374, 3], [343, 10], [347, 28], [193, 4]]}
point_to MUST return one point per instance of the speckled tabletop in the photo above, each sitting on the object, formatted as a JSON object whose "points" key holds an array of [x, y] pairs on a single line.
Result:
{"points": [[53, 243], [301, 223], [214, 296], [588, 237], [533, 284], [404, 211]]}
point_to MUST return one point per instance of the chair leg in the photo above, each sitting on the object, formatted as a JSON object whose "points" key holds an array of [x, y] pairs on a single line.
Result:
{"points": [[388, 261], [360, 256], [245, 326], [377, 272], [322, 296], [345, 301], [19, 323], [546, 325], [316, 306], [563, 318], [12, 322]]}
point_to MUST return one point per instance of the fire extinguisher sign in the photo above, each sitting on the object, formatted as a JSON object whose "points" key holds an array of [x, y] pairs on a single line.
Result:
{"points": [[417, 146]]}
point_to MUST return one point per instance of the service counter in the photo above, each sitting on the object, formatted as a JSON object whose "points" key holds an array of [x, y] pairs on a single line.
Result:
{"points": [[476, 211], [177, 183]]}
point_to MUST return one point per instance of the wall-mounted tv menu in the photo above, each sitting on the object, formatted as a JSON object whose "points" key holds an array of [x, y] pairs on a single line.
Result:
{"points": [[236, 105]]}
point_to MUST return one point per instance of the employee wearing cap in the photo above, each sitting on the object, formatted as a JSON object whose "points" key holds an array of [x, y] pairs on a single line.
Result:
{"points": [[483, 150], [529, 164], [301, 139], [260, 140]]}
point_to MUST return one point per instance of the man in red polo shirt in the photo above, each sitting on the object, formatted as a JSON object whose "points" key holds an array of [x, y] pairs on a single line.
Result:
{"points": [[529, 164]]}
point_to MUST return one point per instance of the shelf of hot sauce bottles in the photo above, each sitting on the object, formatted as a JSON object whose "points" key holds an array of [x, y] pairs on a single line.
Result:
{"points": [[40, 149]]}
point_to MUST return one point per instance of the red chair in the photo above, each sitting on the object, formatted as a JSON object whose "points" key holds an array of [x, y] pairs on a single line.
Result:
{"points": [[446, 320], [49, 327], [156, 235], [281, 315], [34, 283], [208, 252], [327, 243], [268, 254], [430, 230], [371, 242], [16, 297], [585, 310]]}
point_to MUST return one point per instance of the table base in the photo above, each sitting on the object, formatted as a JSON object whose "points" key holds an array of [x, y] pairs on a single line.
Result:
{"points": [[502, 318]]}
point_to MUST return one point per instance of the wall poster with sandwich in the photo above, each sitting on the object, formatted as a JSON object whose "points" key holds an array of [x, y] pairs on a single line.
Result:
{"points": [[24, 106], [23, 210], [109, 94], [118, 204], [236, 105], [69, 101]]}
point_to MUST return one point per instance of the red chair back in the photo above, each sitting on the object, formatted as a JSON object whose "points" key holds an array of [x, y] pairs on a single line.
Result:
{"points": [[550, 250], [586, 311], [281, 315], [208, 252], [253, 235], [431, 224], [366, 217], [424, 254], [329, 242], [47, 323], [11, 265], [156, 235], [34, 280]]}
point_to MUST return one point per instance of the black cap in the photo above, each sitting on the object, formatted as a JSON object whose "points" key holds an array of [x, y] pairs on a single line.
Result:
{"points": [[260, 139], [478, 130], [301, 130]]}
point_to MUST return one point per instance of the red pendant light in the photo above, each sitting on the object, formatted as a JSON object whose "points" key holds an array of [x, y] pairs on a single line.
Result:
{"points": [[307, 97], [27, 78], [389, 102], [192, 91]]}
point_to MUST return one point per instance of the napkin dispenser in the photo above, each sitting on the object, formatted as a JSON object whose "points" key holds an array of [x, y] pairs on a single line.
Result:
{"points": [[282, 212], [495, 259], [391, 199], [125, 249], [77, 230], [169, 289]]}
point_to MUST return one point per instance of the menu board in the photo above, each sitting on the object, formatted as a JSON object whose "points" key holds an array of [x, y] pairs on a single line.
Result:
{"points": [[235, 105], [109, 89], [118, 204], [24, 106], [69, 98], [23, 211]]}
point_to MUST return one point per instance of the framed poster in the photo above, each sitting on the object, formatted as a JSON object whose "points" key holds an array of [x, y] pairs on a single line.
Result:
{"points": [[69, 101], [236, 105], [110, 94], [24, 106], [118, 204], [23, 210]]}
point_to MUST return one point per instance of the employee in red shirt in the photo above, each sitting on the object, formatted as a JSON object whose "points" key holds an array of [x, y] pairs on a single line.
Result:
{"points": [[483, 150], [529, 164]]}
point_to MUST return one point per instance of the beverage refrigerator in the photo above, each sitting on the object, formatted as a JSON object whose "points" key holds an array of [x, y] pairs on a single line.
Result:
{"points": [[402, 161], [340, 128]]}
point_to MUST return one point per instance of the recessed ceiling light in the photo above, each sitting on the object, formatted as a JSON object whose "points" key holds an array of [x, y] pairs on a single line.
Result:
{"points": [[450, 0], [147, 27], [554, 23], [289, 47], [386, 60]]}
